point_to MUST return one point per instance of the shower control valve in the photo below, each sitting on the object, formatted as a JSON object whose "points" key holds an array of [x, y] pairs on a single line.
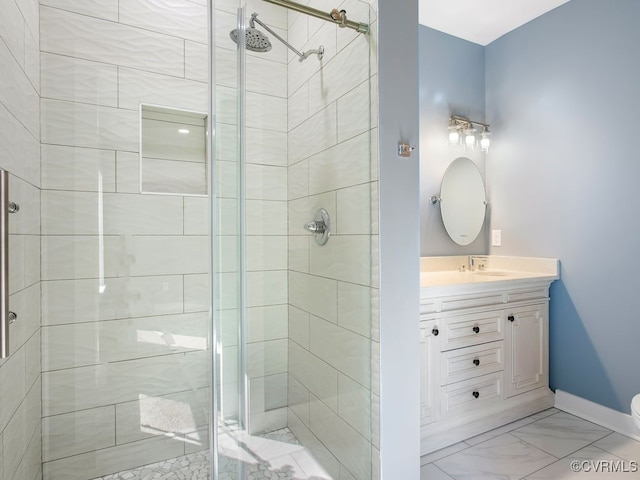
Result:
{"points": [[320, 227]]}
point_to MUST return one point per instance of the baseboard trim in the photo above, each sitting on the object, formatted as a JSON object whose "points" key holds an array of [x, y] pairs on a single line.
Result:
{"points": [[599, 414]]}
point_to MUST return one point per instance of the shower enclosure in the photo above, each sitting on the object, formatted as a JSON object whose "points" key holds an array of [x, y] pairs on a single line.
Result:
{"points": [[175, 318]]}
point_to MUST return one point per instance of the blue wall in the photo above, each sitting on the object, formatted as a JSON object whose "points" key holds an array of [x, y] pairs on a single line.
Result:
{"points": [[563, 97], [451, 81]]}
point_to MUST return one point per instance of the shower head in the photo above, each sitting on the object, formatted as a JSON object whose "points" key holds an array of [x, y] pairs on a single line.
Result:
{"points": [[254, 39]]}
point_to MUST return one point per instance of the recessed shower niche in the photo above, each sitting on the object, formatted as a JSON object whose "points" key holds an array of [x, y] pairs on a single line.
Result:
{"points": [[173, 151]]}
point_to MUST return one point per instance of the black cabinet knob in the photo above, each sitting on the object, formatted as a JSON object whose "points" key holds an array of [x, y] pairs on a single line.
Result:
{"points": [[476, 329], [476, 394], [476, 361], [511, 318], [435, 331]]}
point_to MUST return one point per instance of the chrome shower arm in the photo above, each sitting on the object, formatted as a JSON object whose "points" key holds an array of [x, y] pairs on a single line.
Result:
{"points": [[266, 27], [301, 56]]}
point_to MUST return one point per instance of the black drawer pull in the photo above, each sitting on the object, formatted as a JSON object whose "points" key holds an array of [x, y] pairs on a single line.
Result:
{"points": [[435, 331], [476, 394], [476, 361], [511, 318], [476, 329]]}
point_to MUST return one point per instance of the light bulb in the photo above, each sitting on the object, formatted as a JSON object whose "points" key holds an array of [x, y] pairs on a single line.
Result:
{"points": [[454, 135], [485, 140], [470, 138]]}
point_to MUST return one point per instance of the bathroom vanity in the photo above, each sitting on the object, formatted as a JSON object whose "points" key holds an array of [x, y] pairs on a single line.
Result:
{"points": [[484, 323]]}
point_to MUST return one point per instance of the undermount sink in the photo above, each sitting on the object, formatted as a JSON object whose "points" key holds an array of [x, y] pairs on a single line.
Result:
{"points": [[491, 273]]}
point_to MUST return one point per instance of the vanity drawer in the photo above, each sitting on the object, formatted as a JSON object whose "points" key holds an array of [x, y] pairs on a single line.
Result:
{"points": [[471, 329], [469, 396], [465, 363]]}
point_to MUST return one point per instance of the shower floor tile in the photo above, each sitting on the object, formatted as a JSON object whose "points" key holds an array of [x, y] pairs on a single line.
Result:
{"points": [[276, 455]]}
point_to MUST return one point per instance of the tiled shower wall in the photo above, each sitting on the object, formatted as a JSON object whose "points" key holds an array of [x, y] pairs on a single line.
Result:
{"points": [[20, 392], [331, 153], [124, 294]]}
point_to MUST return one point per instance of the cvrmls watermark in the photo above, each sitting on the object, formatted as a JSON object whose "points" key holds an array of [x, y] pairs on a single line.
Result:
{"points": [[604, 466]]}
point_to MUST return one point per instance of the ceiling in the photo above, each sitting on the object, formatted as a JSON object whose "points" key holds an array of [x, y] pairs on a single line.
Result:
{"points": [[481, 21]]}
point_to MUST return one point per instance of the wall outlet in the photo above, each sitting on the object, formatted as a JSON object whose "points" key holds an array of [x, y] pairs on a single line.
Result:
{"points": [[496, 238]]}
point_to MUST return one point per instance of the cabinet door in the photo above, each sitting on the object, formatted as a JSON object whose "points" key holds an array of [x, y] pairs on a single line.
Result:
{"points": [[429, 372], [527, 348]]}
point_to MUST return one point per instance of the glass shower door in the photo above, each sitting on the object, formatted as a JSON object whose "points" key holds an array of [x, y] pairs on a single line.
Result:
{"points": [[125, 240], [295, 339]]}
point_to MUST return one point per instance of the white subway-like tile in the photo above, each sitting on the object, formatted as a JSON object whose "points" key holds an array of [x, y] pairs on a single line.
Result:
{"points": [[179, 254], [107, 9], [349, 447], [302, 211], [354, 112], [178, 18], [173, 177], [105, 41], [354, 308], [101, 462], [314, 374], [82, 125], [316, 295], [13, 29], [267, 323], [21, 99], [354, 405], [345, 350], [314, 135], [12, 372], [171, 415], [267, 358], [264, 217], [197, 293], [93, 300], [136, 87], [265, 147], [298, 180], [78, 432], [266, 112], [77, 80], [299, 326], [298, 399], [75, 389], [110, 214], [299, 253], [70, 257], [344, 257], [127, 172], [354, 210], [266, 182], [80, 169], [196, 215], [266, 288], [27, 221], [266, 253], [196, 61], [344, 165]]}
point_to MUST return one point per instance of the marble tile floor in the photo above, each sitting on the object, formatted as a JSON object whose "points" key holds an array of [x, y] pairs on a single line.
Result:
{"points": [[274, 456], [550, 445]]}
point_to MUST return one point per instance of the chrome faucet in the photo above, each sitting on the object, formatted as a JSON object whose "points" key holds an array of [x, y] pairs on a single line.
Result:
{"points": [[478, 261]]}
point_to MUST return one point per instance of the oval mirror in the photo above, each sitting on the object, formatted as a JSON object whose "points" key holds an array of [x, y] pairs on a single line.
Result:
{"points": [[463, 201]]}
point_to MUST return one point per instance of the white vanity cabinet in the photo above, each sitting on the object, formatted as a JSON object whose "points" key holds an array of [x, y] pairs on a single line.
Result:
{"points": [[484, 357]]}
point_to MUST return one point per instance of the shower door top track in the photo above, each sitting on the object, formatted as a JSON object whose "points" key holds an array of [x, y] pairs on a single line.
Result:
{"points": [[339, 17]]}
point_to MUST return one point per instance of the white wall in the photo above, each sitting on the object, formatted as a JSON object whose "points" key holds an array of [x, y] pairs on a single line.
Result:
{"points": [[124, 295], [20, 397]]}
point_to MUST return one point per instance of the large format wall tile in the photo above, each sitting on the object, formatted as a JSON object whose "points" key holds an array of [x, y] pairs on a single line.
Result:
{"points": [[80, 169], [76, 389], [136, 87], [76, 80], [78, 432], [179, 18], [90, 38], [107, 9]]}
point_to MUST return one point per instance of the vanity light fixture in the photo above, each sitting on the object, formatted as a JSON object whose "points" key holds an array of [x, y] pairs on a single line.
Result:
{"points": [[463, 131]]}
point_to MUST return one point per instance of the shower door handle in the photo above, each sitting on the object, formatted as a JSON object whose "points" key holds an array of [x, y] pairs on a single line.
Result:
{"points": [[6, 317]]}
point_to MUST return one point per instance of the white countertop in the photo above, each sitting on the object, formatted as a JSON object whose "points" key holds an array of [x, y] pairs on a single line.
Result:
{"points": [[445, 272]]}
